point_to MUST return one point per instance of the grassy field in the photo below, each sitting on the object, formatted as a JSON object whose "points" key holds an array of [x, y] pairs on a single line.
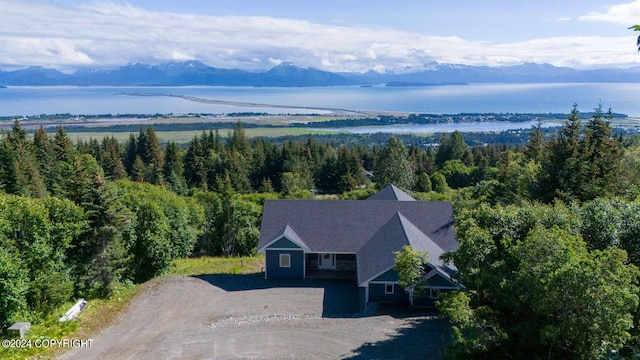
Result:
{"points": [[217, 265], [144, 120], [187, 136]]}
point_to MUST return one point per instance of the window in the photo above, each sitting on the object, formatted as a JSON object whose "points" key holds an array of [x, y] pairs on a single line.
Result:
{"points": [[434, 293], [285, 260], [389, 289]]}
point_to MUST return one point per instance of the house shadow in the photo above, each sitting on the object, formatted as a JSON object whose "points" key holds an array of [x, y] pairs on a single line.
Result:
{"points": [[341, 298], [425, 338]]}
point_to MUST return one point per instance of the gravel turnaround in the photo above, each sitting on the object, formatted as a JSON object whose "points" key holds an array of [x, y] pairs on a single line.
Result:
{"points": [[248, 317]]}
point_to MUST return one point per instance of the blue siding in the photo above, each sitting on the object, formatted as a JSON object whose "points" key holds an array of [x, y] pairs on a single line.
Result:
{"points": [[283, 243], [274, 271], [389, 275], [376, 294]]}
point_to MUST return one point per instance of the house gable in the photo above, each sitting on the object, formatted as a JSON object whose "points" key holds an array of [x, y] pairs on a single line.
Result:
{"points": [[388, 276], [283, 243], [438, 279], [378, 254], [287, 238]]}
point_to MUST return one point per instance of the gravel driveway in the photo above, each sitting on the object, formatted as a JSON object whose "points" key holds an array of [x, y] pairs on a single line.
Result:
{"points": [[245, 316]]}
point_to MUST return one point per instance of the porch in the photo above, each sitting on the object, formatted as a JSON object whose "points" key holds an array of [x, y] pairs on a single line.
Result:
{"points": [[330, 266], [332, 274]]}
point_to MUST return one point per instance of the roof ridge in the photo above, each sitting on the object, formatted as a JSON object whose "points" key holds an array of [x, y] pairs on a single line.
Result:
{"points": [[293, 234], [403, 219], [404, 231]]}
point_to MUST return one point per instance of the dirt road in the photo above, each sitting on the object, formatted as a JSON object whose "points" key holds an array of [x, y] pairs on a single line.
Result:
{"points": [[247, 317]]}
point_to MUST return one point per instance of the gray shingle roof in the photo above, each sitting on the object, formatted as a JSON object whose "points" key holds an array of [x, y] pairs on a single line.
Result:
{"points": [[391, 192], [378, 254], [346, 225], [419, 241], [372, 229]]}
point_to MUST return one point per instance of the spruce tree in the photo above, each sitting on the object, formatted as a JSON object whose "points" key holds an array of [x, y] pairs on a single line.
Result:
{"points": [[112, 160], [394, 166], [561, 166], [600, 157], [62, 145], [453, 147], [535, 145]]}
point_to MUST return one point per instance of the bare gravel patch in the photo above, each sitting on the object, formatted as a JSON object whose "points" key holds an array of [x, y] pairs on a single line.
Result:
{"points": [[247, 317]]}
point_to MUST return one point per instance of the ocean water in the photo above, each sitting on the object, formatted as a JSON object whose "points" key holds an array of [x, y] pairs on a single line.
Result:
{"points": [[478, 98]]}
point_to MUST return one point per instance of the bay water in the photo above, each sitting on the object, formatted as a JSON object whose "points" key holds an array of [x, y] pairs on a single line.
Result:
{"points": [[28, 101], [450, 99]]}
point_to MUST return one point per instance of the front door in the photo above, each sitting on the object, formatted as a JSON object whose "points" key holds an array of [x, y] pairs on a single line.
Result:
{"points": [[326, 261]]}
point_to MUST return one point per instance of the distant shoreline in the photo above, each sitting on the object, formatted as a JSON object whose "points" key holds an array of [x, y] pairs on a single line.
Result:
{"points": [[418, 83], [246, 104]]}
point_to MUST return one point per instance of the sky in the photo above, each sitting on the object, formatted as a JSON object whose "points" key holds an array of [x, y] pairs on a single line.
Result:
{"points": [[399, 36]]}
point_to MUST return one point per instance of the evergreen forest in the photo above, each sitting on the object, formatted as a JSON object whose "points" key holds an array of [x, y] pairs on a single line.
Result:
{"points": [[549, 231]]}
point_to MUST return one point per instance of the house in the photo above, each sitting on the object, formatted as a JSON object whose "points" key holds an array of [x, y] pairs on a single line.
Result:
{"points": [[357, 239]]}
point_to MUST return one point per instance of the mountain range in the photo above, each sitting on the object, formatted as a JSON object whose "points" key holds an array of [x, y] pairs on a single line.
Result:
{"points": [[289, 75]]}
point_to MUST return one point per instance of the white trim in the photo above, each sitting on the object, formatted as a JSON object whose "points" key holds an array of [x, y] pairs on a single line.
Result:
{"points": [[366, 282], [431, 290], [282, 256], [366, 295], [282, 236], [332, 252], [448, 278], [393, 289], [285, 249], [411, 291], [443, 287], [431, 273]]}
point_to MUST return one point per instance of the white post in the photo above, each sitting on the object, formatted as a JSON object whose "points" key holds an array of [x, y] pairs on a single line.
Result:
{"points": [[411, 296]]}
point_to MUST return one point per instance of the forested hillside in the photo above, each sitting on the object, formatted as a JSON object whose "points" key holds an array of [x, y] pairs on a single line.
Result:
{"points": [[549, 232]]}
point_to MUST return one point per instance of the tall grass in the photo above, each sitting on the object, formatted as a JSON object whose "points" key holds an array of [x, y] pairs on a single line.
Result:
{"points": [[217, 265]]}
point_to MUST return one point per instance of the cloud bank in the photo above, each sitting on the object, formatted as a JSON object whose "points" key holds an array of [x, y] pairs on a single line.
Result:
{"points": [[623, 14], [109, 34]]}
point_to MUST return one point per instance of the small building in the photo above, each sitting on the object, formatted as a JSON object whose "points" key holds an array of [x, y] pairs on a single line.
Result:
{"points": [[357, 239], [19, 329]]}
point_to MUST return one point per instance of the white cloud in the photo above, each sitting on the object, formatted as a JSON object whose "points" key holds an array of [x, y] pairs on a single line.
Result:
{"points": [[624, 14], [108, 34]]}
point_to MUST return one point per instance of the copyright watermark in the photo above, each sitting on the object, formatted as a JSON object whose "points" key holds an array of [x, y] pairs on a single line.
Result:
{"points": [[46, 343]]}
